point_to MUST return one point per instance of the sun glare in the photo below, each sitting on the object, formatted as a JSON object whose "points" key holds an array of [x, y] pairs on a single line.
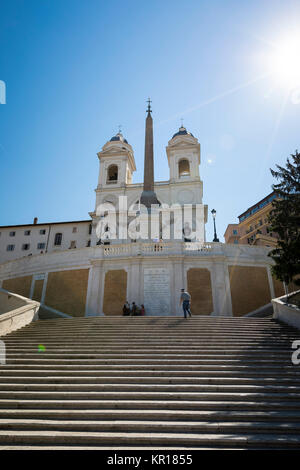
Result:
{"points": [[285, 62]]}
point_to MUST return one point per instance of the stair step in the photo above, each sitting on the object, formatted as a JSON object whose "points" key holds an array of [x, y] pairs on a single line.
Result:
{"points": [[150, 404], [152, 414], [149, 426], [119, 438], [274, 382], [138, 388], [150, 383]]}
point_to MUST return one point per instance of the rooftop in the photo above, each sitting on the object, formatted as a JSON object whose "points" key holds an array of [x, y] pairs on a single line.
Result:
{"points": [[256, 207]]}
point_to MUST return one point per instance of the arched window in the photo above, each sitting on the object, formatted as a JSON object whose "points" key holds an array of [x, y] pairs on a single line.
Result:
{"points": [[112, 174], [183, 168], [58, 239]]}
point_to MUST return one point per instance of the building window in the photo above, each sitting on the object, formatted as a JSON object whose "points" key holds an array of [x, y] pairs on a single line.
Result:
{"points": [[42, 231], [25, 246], [12, 234], [72, 245], [58, 239], [112, 174], [90, 229], [234, 232], [27, 232], [88, 243], [183, 168], [10, 247], [235, 242], [74, 230], [41, 246]]}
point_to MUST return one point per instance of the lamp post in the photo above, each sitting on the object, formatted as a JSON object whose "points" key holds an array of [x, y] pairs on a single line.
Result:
{"points": [[213, 213]]}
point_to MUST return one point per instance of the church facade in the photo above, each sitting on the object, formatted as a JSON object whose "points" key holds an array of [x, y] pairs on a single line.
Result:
{"points": [[91, 267]]}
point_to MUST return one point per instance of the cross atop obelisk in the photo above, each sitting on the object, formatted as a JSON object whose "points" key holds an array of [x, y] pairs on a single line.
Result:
{"points": [[148, 196]]}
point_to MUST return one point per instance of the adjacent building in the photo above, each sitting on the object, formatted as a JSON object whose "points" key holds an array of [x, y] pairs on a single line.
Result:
{"points": [[18, 241], [253, 227]]}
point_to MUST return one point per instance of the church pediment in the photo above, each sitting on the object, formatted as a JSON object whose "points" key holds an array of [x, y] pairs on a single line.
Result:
{"points": [[113, 151]]}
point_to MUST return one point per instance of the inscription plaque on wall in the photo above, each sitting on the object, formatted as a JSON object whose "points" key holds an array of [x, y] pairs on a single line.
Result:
{"points": [[157, 296]]}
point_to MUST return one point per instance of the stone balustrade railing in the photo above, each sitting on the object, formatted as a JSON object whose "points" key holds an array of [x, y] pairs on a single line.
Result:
{"points": [[160, 248], [15, 312], [84, 256]]}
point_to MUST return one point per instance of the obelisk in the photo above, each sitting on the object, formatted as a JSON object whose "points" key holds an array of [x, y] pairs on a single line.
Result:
{"points": [[148, 196]]}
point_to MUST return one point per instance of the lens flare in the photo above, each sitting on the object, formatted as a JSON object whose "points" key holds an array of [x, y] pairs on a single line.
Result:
{"points": [[284, 61]]}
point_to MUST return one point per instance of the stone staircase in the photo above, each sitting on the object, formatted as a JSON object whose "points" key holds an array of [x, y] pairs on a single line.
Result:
{"points": [[150, 383]]}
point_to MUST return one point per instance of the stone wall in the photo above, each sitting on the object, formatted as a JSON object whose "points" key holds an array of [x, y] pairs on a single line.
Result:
{"points": [[249, 287], [115, 290], [18, 285], [66, 291], [38, 289], [199, 286], [278, 287]]}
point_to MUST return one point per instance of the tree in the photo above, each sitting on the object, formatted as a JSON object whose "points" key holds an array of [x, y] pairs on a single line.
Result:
{"points": [[285, 221]]}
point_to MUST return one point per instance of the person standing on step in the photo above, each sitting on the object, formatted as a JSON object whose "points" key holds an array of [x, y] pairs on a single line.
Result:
{"points": [[133, 309], [126, 308], [185, 300]]}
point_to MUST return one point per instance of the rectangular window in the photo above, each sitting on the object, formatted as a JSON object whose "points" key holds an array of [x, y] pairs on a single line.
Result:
{"points": [[42, 231], [236, 242], [73, 244], [12, 234], [74, 230], [41, 246], [25, 246], [90, 229], [10, 247], [235, 232], [27, 232], [58, 239], [88, 243]]}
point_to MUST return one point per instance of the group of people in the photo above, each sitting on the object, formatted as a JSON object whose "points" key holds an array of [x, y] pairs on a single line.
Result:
{"points": [[133, 310]]}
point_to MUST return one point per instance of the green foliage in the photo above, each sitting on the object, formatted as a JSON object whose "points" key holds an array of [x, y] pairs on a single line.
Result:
{"points": [[285, 220]]}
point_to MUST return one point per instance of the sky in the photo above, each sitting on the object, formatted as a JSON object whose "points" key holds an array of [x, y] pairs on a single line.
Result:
{"points": [[75, 70]]}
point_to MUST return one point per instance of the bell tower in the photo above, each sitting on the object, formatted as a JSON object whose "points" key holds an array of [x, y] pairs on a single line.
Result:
{"points": [[183, 152], [116, 163]]}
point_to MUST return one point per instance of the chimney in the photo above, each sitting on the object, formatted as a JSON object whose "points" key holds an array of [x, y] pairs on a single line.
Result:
{"points": [[35, 221]]}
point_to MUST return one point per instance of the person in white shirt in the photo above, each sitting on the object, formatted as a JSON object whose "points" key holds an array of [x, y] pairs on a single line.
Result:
{"points": [[185, 300]]}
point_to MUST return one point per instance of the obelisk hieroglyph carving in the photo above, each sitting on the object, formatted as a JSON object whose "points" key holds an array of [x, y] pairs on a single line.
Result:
{"points": [[148, 196]]}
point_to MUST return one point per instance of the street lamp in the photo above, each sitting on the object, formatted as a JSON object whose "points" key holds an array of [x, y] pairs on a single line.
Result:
{"points": [[213, 213]]}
